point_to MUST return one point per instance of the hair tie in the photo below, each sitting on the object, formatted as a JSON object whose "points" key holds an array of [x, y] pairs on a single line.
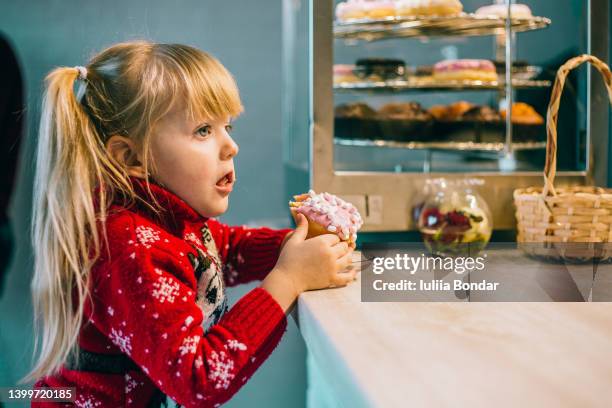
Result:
{"points": [[82, 72]]}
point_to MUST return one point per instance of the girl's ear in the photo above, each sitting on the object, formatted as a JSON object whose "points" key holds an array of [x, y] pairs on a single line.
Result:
{"points": [[124, 151]]}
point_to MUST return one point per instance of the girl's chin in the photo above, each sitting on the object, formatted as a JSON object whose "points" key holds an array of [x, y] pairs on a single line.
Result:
{"points": [[215, 210]]}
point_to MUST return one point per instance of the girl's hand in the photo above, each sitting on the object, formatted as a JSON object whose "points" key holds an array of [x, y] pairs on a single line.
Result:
{"points": [[288, 236], [308, 264]]}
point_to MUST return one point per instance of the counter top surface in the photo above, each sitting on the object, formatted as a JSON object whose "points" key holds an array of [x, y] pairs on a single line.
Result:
{"points": [[459, 354]]}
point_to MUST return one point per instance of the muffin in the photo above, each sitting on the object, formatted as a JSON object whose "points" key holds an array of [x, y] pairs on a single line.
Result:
{"points": [[355, 110], [356, 121], [404, 111], [524, 114], [405, 121]]}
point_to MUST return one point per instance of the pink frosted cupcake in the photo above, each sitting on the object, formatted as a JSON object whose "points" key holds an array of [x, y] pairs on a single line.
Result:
{"points": [[327, 213], [465, 69]]}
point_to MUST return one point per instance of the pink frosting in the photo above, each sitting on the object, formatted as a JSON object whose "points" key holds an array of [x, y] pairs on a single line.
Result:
{"points": [[343, 69], [458, 65], [333, 213], [344, 8], [379, 4], [501, 10]]}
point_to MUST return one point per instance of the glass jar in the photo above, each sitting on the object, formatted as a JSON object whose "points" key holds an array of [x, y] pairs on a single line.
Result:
{"points": [[453, 218]]}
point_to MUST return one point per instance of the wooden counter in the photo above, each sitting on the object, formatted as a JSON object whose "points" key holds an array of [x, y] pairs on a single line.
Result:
{"points": [[455, 354]]}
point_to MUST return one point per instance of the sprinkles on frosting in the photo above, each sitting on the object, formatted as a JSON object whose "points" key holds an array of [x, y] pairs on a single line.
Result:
{"points": [[333, 213]]}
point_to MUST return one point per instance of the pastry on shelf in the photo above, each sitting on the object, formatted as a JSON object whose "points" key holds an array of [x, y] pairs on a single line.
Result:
{"points": [[463, 121], [355, 110], [423, 71], [350, 10], [356, 120], [481, 113], [520, 70], [439, 112], [518, 11], [465, 70], [451, 112], [524, 114], [328, 214], [379, 9], [527, 124], [344, 73], [380, 69], [429, 8], [457, 109], [405, 121], [404, 111], [365, 9]]}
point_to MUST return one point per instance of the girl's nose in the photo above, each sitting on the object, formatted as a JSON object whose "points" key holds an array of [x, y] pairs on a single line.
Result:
{"points": [[230, 147]]}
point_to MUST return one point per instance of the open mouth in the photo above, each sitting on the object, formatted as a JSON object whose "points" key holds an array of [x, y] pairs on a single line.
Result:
{"points": [[226, 180]]}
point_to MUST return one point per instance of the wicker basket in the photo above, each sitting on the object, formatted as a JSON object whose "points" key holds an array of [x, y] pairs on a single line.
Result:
{"points": [[570, 223]]}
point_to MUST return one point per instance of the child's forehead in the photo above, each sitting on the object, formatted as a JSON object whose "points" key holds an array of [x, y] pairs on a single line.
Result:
{"points": [[185, 116]]}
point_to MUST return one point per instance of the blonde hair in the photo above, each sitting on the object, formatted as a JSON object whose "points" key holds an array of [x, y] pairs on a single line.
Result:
{"points": [[128, 88]]}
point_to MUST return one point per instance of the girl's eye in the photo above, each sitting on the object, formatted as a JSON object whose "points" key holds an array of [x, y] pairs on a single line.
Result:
{"points": [[229, 128], [204, 130]]}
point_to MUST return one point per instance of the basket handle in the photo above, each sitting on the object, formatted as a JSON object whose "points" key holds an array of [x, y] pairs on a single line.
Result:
{"points": [[552, 115]]}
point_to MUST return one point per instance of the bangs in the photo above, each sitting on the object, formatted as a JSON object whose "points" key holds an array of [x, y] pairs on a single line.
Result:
{"points": [[200, 83]]}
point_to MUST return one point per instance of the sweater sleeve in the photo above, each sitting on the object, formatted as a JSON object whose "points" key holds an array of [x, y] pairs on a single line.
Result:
{"points": [[145, 307], [247, 253]]}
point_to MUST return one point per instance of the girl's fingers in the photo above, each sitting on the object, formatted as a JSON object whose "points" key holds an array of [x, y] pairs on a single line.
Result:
{"points": [[340, 249], [344, 261], [329, 239], [343, 279]]}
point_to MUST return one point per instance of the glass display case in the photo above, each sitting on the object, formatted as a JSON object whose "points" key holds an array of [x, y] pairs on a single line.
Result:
{"points": [[373, 107]]}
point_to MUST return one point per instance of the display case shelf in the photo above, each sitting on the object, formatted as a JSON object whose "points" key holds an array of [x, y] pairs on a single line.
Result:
{"points": [[446, 146], [462, 25], [416, 84]]}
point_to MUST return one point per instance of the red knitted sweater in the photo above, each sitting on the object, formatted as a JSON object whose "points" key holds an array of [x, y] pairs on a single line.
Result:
{"points": [[158, 297]]}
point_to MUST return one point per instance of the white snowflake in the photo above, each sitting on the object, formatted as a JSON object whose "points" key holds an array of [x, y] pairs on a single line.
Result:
{"points": [[190, 345], [86, 401], [239, 258], [221, 369], [123, 341], [193, 238], [233, 344], [110, 311], [130, 383], [165, 289], [146, 235], [188, 321], [231, 274], [198, 362]]}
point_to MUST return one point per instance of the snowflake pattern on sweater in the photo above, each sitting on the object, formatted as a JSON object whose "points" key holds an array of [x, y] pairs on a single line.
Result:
{"points": [[159, 298]]}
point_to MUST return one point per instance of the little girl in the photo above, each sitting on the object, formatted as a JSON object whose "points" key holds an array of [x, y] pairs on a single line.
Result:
{"points": [[131, 265]]}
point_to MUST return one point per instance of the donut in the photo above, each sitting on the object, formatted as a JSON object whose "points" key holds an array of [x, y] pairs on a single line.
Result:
{"points": [[357, 9], [344, 73], [349, 10], [327, 213], [465, 69], [413, 8], [378, 9]]}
